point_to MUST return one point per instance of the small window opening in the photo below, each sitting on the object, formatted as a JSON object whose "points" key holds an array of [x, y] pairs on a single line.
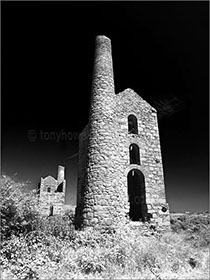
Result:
{"points": [[51, 210], [48, 189], [132, 124], [134, 154], [164, 209]]}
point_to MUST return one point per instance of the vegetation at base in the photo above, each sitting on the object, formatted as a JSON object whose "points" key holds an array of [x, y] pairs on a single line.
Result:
{"points": [[35, 247]]}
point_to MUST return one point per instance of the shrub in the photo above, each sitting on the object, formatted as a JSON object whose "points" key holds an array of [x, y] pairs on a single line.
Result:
{"points": [[19, 208], [95, 254], [57, 226]]}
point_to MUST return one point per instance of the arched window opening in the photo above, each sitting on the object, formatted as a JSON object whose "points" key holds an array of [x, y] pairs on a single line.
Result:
{"points": [[48, 189], [134, 154], [137, 196], [51, 210], [60, 187], [132, 124]]}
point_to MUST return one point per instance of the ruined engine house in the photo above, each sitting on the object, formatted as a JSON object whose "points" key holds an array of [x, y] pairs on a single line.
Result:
{"points": [[52, 194], [120, 164]]}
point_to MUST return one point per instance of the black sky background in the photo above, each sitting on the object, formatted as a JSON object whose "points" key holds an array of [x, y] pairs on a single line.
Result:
{"points": [[160, 50]]}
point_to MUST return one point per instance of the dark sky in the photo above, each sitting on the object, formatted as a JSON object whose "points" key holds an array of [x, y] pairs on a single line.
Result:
{"points": [[160, 49]]}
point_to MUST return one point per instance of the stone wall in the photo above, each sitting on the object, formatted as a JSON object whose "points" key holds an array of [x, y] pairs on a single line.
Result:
{"points": [[104, 156], [130, 103]]}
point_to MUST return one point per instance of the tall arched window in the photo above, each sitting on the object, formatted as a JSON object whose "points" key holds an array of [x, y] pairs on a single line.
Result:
{"points": [[134, 154], [132, 124]]}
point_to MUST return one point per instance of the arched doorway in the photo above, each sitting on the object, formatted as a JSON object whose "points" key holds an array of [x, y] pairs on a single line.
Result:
{"points": [[137, 197]]}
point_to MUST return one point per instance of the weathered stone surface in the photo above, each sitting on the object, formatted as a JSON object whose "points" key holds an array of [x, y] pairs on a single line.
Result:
{"points": [[105, 152]]}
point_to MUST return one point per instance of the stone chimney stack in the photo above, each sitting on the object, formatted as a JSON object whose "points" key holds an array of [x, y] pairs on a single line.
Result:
{"points": [[102, 147], [60, 178], [103, 92]]}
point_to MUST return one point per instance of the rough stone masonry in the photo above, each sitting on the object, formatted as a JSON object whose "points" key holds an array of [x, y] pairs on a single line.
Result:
{"points": [[120, 165]]}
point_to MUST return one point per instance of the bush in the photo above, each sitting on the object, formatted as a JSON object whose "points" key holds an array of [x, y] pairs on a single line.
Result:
{"points": [[19, 208], [95, 254], [57, 226], [24, 255]]}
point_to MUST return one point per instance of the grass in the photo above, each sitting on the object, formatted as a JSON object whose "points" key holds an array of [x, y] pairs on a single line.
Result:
{"points": [[50, 247]]}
